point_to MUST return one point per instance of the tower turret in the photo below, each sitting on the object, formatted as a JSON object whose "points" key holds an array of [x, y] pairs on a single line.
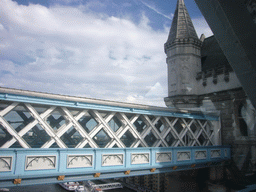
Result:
{"points": [[183, 50]]}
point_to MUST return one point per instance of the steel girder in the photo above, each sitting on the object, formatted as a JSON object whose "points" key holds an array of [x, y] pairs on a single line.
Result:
{"points": [[30, 125]]}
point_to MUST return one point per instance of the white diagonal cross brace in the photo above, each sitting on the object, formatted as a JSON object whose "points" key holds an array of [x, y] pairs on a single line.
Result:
{"points": [[8, 109], [125, 127], [203, 128], [45, 126], [28, 127], [12, 132], [133, 129], [65, 127], [107, 128], [173, 132], [157, 134], [191, 132], [79, 128]]}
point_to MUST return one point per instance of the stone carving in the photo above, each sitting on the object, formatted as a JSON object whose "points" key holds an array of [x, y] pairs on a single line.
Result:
{"points": [[112, 159], [183, 155], [215, 153], [201, 154], [40, 162], [164, 157], [140, 158], [5, 163], [75, 161]]}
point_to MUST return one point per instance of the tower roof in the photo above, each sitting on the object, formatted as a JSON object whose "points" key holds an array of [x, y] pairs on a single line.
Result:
{"points": [[182, 26]]}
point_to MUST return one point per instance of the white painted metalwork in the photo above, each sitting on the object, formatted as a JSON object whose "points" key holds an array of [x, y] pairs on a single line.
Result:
{"points": [[202, 154], [183, 155], [215, 153], [79, 161], [108, 186], [140, 158], [40, 162], [164, 157], [5, 163], [33, 125], [112, 159]]}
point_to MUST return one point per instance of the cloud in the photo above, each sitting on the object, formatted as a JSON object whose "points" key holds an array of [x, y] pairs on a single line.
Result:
{"points": [[155, 10], [80, 52], [67, 50]]}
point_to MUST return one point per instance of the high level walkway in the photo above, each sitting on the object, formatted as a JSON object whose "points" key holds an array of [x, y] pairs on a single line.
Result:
{"points": [[47, 138]]}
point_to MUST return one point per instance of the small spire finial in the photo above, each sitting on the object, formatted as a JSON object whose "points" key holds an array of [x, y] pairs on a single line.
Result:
{"points": [[202, 37]]}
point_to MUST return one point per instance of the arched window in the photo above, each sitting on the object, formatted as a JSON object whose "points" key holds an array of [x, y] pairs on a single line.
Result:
{"points": [[242, 119]]}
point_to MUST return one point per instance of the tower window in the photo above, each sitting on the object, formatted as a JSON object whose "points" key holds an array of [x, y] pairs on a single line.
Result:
{"points": [[241, 119]]}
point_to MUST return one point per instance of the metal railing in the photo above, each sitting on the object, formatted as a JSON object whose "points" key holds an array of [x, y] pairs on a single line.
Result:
{"points": [[37, 166], [39, 120]]}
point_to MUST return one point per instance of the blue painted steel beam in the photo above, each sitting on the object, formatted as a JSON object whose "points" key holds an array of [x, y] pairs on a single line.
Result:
{"points": [[38, 166], [86, 176], [83, 105]]}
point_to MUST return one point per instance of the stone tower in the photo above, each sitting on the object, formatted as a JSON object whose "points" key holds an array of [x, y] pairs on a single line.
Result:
{"points": [[183, 50]]}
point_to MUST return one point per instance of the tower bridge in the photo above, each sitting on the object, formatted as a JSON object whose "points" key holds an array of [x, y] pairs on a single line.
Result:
{"points": [[47, 138]]}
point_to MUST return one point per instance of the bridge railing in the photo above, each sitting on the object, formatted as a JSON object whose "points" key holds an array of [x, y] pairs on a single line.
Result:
{"points": [[39, 120], [37, 166]]}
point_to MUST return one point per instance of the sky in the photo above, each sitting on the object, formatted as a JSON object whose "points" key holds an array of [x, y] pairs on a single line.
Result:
{"points": [[102, 49]]}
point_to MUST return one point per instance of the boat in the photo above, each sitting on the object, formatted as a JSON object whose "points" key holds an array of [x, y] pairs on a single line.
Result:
{"points": [[97, 190], [92, 187], [82, 188], [69, 186], [4, 189]]}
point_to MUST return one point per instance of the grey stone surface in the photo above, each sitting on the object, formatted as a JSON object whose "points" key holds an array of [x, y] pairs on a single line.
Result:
{"points": [[182, 26], [200, 78]]}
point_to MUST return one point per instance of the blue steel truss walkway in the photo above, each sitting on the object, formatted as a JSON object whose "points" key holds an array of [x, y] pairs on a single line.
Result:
{"points": [[80, 138]]}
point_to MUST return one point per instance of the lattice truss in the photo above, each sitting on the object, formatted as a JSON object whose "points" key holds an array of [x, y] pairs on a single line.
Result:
{"points": [[39, 126]]}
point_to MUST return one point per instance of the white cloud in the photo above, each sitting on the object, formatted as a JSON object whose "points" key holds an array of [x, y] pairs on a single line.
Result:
{"points": [[75, 51], [157, 11], [67, 50]]}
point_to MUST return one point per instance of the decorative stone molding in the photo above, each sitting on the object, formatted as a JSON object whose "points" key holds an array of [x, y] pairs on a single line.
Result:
{"points": [[75, 161], [140, 158], [201, 154], [112, 159], [5, 163], [40, 162], [183, 101], [216, 153], [183, 155], [163, 157]]}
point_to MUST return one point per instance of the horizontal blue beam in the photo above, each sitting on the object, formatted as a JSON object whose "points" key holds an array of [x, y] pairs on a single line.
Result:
{"points": [[84, 105], [37, 166]]}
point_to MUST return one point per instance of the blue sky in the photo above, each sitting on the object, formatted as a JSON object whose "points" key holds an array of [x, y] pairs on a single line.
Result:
{"points": [[105, 49]]}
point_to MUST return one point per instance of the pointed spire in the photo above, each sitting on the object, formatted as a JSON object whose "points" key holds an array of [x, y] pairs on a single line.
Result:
{"points": [[182, 26]]}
